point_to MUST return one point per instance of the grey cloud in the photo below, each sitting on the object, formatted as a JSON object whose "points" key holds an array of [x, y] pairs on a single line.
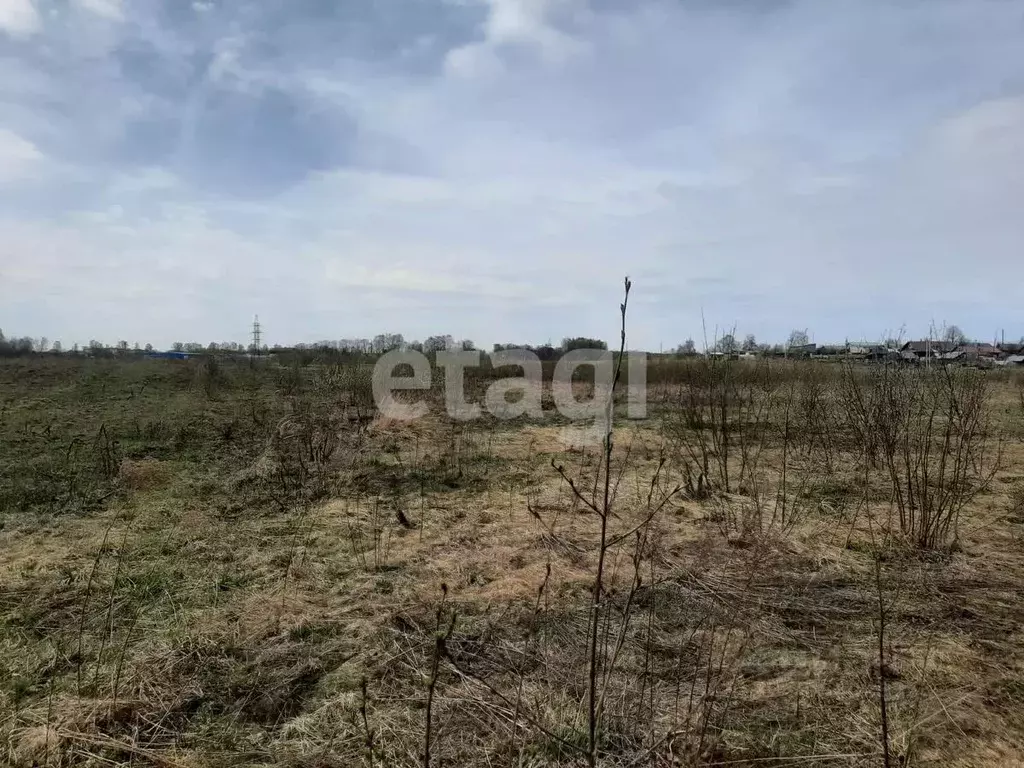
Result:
{"points": [[243, 142], [776, 164]]}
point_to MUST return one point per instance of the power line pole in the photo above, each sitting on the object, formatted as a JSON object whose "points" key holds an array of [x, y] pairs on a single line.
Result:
{"points": [[256, 333]]}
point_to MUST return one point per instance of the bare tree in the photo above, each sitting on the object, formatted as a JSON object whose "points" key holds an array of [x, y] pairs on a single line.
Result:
{"points": [[799, 338], [686, 348], [953, 335], [385, 342], [438, 343]]}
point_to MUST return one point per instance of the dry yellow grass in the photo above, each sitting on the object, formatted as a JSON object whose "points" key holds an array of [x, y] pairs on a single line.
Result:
{"points": [[164, 631]]}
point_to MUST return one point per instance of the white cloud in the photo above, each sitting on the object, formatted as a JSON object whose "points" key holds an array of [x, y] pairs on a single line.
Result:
{"points": [[18, 157], [419, 279], [108, 9], [141, 181], [992, 128], [18, 17], [530, 24]]}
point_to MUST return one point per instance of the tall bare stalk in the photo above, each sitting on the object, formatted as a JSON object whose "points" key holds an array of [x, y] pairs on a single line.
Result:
{"points": [[604, 513], [441, 637]]}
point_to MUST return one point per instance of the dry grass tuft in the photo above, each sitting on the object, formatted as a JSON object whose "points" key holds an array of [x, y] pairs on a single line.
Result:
{"points": [[143, 474]]}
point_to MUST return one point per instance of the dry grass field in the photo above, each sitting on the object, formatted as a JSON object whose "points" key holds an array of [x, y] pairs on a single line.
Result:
{"points": [[801, 564]]}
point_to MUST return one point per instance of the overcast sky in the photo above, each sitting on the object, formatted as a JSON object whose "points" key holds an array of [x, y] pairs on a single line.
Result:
{"points": [[492, 168]]}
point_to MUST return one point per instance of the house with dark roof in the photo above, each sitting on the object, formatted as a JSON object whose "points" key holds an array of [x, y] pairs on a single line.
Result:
{"points": [[968, 353], [801, 350], [864, 347], [867, 350], [976, 352], [926, 348]]}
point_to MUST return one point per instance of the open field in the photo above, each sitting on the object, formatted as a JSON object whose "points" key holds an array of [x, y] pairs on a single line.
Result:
{"points": [[218, 564]]}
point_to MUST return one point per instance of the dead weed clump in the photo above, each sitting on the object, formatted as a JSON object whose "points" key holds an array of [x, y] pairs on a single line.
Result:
{"points": [[143, 474]]}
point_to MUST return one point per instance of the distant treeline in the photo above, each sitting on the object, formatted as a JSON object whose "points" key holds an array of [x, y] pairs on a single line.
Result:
{"points": [[340, 349]]}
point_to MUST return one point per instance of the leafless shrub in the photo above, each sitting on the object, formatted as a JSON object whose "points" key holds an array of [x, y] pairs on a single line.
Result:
{"points": [[931, 433], [370, 539], [291, 381], [347, 385], [303, 446], [718, 422], [818, 416], [211, 377], [756, 440], [107, 453]]}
